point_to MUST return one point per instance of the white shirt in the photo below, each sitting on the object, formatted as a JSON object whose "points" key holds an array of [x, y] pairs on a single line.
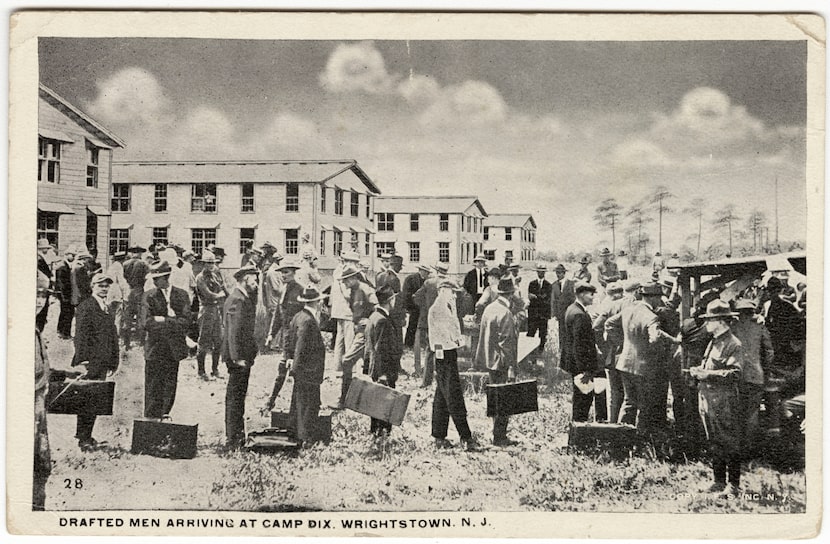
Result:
{"points": [[166, 292]]}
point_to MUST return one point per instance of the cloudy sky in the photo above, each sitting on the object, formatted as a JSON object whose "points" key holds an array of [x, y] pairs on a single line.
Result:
{"points": [[548, 128]]}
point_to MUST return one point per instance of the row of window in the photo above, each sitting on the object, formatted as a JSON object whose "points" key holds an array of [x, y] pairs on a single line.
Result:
{"points": [[414, 250], [386, 222], [527, 235], [49, 161]]}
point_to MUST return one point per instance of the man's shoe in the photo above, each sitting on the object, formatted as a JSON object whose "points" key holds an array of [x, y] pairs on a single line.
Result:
{"points": [[204, 377], [90, 444], [733, 491], [442, 443], [716, 487], [217, 376], [471, 445], [504, 442]]}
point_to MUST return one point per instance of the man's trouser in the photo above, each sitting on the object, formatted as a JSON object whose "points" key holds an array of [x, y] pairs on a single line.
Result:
{"points": [[352, 356], [210, 337], [582, 405], [40, 318], [345, 337], [161, 378], [449, 398], [749, 407], [499, 422], [616, 392], [235, 404], [422, 339], [305, 409], [85, 423], [535, 323], [632, 399], [66, 316], [411, 329], [131, 317]]}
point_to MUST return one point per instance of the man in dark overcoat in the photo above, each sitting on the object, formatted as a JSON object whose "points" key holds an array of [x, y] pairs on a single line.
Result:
{"points": [[538, 309], [580, 357], [210, 288], [63, 286], [384, 348], [239, 349], [165, 313], [96, 346]]}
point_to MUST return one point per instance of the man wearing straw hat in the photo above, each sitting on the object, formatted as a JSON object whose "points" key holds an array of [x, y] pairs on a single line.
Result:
{"points": [[475, 282], [165, 312], [239, 349], [580, 358], [210, 288], [340, 310], [718, 377], [96, 347], [305, 352]]}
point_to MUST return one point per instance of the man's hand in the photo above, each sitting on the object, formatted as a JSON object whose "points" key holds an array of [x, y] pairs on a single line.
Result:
{"points": [[586, 378], [241, 363], [158, 318]]}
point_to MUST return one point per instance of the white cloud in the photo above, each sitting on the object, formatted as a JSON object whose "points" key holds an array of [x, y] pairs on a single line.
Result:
{"points": [[131, 95], [471, 102], [419, 89], [357, 67], [640, 153]]}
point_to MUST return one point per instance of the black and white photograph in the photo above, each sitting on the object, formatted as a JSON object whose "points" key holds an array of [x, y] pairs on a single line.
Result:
{"points": [[411, 274]]}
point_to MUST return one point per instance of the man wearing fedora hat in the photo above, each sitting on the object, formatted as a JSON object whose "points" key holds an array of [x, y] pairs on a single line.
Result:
{"points": [[135, 272], [239, 349], [424, 298], [384, 348], [580, 355], [411, 284], [340, 310], [561, 297], [63, 286], [165, 312], [210, 288], [538, 309], [607, 269], [96, 347], [290, 305], [718, 376], [475, 281], [305, 352], [497, 349], [81, 275]]}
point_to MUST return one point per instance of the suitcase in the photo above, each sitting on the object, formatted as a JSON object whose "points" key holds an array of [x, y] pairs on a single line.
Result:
{"points": [[271, 440], [87, 397], [163, 438], [615, 438], [377, 401], [322, 431], [508, 399]]}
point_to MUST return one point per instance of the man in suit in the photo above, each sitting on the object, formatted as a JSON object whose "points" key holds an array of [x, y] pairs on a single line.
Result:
{"points": [[43, 249], [424, 298], [579, 354], [390, 275], [63, 286], [384, 348], [411, 284], [538, 310], [497, 350], [165, 313], [135, 272], [210, 287], [239, 349], [561, 297], [476, 279], [96, 346], [306, 354], [290, 305]]}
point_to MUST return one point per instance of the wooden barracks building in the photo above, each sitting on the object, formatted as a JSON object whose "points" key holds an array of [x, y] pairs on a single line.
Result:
{"points": [[430, 229], [237, 203], [73, 175], [512, 235]]}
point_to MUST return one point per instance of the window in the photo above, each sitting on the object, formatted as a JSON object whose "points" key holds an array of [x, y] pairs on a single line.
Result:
{"points": [[508, 254], [47, 226], [323, 192], [246, 239], [119, 240], [160, 235], [386, 222], [355, 242], [322, 241], [508, 233], [292, 197], [444, 252], [469, 224], [201, 239], [120, 197], [203, 197], [247, 197], [91, 232], [414, 222], [490, 254], [486, 233], [368, 206], [160, 197], [91, 165], [338, 201], [355, 204], [292, 241], [384, 247], [368, 244], [338, 242], [48, 160], [444, 222], [414, 252]]}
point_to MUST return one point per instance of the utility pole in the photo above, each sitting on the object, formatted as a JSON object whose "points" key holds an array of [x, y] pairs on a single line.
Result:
{"points": [[776, 212]]}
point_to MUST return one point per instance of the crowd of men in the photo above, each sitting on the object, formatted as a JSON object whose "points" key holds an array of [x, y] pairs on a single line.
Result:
{"points": [[628, 336]]}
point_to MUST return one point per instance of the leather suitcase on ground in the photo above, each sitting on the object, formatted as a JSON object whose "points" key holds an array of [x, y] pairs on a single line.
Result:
{"points": [[377, 401], [322, 431], [163, 438], [615, 438], [271, 440], [508, 399], [88, 397]]}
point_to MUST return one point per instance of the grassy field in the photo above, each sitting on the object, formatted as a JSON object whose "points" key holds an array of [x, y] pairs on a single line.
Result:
{"points": [[357, 472]]}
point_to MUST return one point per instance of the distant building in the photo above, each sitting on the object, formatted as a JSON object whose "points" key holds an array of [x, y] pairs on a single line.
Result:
{"points": [[234, 204], [511, 235], [74, 176], [425, 229]]}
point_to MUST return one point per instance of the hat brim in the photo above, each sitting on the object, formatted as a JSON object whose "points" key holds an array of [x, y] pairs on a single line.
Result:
{"points": [[154, 275], [716, 316], [509, 291], [315, 299]]}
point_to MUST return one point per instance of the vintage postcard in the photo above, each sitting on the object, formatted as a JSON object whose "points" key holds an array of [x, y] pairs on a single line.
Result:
{"points": [[415, 274]]}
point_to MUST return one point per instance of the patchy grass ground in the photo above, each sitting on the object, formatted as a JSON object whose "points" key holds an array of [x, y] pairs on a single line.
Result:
{"points": [[356, 472]]}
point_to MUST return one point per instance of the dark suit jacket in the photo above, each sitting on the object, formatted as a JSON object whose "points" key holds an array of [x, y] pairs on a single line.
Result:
{"points": [[43, 266], [63, 281], [96, 339], [390, 278], [471, 282], [579, 352], [165, 340], [239, 343], [562, 296], [290, 305], [305, 345], [411, 284], [539, 307], [384, 343]]}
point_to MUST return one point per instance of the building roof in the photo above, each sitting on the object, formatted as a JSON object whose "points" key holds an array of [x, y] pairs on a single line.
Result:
{"points": [[427, 204], [81, 118], [509, 220], [259, 171]]}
